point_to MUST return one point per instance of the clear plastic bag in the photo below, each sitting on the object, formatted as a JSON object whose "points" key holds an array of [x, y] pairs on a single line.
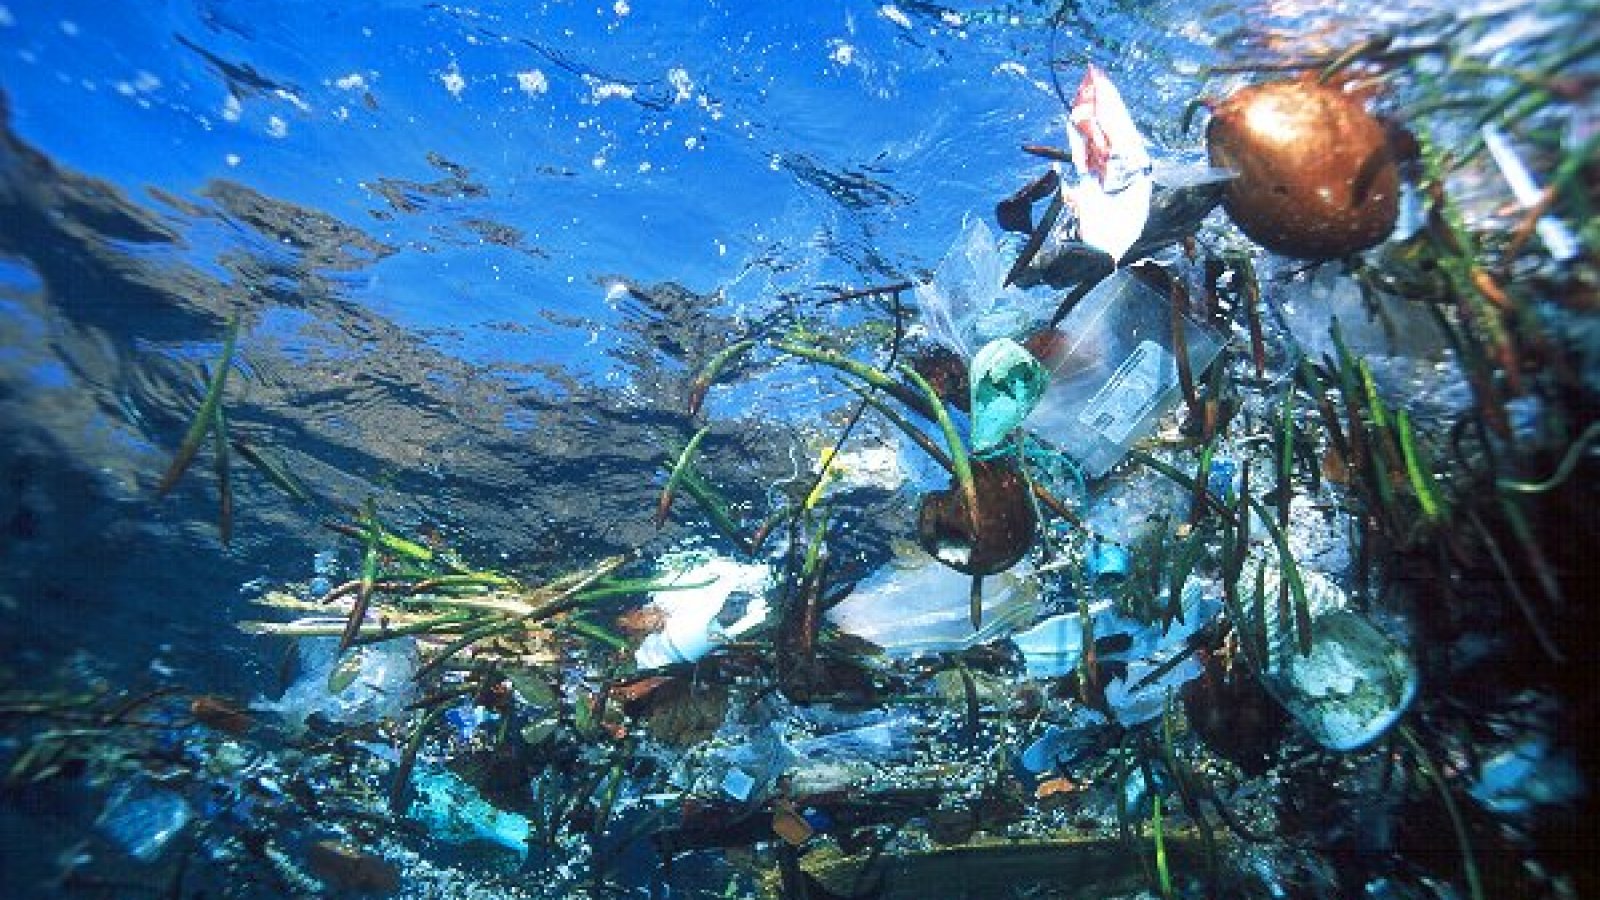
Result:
{"points": [[916, 605], [1113, 372], [966, 304]]}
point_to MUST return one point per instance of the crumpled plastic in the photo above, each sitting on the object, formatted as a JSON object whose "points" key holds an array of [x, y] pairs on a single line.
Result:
{"points": [[916, 605], [143, 819], [1112, 192], [1007, 382], [691, 612], [1052, 649], [966, 304], [383, 687]]}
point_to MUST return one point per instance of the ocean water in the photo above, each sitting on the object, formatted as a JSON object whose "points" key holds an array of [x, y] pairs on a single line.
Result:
{"points": [[478, 252]]}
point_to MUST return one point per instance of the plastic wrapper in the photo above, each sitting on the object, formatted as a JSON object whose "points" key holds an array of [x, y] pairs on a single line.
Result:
{"points": [[143, 819], [1113, 372], [384, 685], [967, 304], [918, 605], [1053, 647]]}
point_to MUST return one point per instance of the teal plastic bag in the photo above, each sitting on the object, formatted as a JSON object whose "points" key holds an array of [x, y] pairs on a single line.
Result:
{"points": [[1007, 382]]}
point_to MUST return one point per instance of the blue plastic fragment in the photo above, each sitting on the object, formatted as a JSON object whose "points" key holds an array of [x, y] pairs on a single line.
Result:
{"points": [[1220, 480], [1106, 559], [465, 720], [143, 819], [819, 820]]}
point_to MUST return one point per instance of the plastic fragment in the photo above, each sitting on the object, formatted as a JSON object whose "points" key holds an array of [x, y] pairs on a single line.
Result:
{"points": [[966, 304], [1527, 775], [1052, 648], [381, 683], [1558, 239], [1112, 371], [454, 811], [1107, 559], [1354, 684], [691, 628], [917, 605], [1061, 744], [143, 819]]}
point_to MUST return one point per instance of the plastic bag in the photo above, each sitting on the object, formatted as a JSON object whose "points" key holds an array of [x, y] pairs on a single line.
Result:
{"points": [[1111, 196], [966, 304], [383, 686], [691, 613], [918, 605], [1007, 382], [1113, 372]]}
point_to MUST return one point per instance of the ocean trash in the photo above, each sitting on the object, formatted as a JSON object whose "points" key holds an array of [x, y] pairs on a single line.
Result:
{"points": [[1108, 560], [690, 626], [1317, 179], [1141, 694], [466, 719], [1113, 372], [1006, 522], [143, 819], [1111, 195], [1053, 647], [743, 763], [1061, 744], [376, 683], [967, 304], [1120, 205], [1527, 775], [850, 757], [347, 868], [452, 810], [1159, 658], [1006, 382], [1354, 684], [1558, 238], [917, 605], [881, 741], [738, 784]]}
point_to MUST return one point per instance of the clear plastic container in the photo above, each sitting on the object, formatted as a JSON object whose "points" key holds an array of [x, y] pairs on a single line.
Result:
{"points": [[1113, 372]]}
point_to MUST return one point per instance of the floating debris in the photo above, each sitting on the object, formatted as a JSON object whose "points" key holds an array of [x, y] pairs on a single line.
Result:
{"points": [[1316, 176], [1353, 685]]}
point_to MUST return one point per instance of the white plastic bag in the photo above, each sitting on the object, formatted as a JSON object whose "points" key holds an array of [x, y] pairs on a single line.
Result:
{"points": [[1111, 194]]}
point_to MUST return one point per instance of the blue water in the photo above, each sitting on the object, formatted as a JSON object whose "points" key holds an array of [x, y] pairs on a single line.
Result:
{"points": [[478, 250], [439, 309]]}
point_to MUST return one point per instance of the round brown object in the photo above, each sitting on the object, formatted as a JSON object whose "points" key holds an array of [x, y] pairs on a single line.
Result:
{"points": [[1006, 522], [1316, 179]]}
